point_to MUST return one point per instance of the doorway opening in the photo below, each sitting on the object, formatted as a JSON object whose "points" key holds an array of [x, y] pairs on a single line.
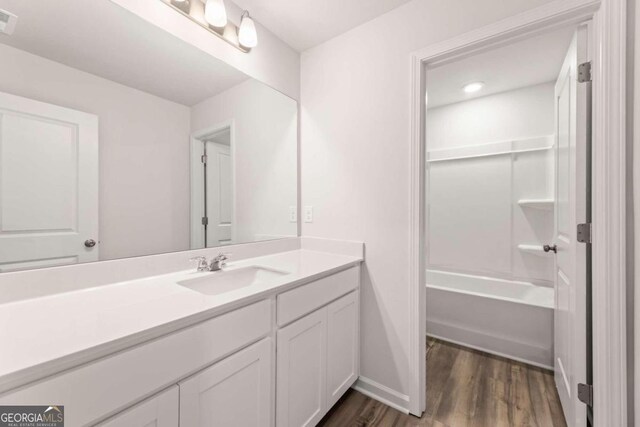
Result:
{"points": [[507, 183], [213, 187]]}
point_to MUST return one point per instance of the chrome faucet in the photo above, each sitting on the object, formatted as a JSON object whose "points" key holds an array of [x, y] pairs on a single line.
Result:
{"points": [[216, 263]]}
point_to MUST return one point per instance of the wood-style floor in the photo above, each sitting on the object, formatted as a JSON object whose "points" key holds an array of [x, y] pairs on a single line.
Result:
{"points": [[464, 388]]}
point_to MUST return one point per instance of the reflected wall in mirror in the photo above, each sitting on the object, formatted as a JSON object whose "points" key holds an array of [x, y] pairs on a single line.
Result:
{"points": [[118, 139]]}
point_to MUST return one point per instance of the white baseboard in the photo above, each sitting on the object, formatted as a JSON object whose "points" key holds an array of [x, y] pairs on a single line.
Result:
{"points": [[508, 348], [495, 353], [382, 394]]}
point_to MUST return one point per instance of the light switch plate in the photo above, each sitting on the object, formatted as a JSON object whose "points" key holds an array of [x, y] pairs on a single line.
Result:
{"points": [[293, 214], [308, 214]]}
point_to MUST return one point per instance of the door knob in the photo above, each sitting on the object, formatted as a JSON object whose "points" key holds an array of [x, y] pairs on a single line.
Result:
{"points": [[551, 248], [89, 243]]}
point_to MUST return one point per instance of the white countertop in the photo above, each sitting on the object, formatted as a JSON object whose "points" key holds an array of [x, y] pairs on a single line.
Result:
{"points": [[45, 335]]}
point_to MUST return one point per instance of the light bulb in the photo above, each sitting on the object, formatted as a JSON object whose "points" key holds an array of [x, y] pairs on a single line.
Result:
{"points": [[215, 13], [247, 35], [473, 87]]}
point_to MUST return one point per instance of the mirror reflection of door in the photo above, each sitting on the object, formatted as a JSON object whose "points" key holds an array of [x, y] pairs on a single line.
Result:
{"points": [[48, 184], [218, 189]]}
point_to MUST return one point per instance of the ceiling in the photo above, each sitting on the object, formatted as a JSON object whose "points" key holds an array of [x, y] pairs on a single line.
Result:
{"points": [[103, 39], [524, 63], [303, 24]]}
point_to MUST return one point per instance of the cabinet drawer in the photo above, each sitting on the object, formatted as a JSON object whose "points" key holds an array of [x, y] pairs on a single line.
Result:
{"points": [[160, 410], [307, 298], [108, 385]]}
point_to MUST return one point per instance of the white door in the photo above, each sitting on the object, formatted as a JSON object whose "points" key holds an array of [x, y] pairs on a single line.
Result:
{"points": [[48, 184], [342, 346], [236, 391], [571, 209], [160, 410], [301, 371], [219, 194]]}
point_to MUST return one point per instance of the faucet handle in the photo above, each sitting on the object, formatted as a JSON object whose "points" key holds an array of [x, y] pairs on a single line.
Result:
{"points": [[222, 257], [202, 262]]}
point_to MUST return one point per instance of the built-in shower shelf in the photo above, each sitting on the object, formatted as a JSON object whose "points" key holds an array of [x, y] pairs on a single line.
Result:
{"points": [[545, 204], [532, 249]]}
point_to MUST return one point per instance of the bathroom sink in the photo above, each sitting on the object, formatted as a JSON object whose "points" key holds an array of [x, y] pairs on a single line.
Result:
{"points": [[219, 282]]}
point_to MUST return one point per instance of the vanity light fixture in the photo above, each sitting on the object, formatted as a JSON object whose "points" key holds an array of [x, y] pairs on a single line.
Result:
{"points": [[215, 13], [473, 87], [247, 35], [181, 5], [212, 16]]}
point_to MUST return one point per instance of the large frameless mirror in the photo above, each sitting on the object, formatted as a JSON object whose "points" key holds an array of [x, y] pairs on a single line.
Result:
{"points": [[117, 139]]}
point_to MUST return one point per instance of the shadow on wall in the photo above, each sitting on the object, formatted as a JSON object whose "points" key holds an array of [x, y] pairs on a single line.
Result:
{"points": [[377, 328]]}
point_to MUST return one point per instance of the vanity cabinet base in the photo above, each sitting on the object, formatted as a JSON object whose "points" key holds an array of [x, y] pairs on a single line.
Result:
{"points": [[317, 362], [236, 369]]}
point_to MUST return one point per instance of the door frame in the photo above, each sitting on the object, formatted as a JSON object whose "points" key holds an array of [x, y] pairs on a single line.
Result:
{"points": [[196, 203], [608, 188]]}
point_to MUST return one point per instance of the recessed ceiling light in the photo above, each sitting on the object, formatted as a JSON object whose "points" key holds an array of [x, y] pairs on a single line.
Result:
{"points": [[473, 87]]}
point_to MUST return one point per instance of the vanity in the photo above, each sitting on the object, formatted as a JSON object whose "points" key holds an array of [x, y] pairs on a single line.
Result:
{"points": [[275, 343], [130, 146]]}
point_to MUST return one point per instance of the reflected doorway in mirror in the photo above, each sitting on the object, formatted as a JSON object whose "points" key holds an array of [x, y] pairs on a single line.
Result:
{"points": [[213, 186]]}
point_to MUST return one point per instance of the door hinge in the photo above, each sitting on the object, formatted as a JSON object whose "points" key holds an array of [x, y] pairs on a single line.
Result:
{"points": [[205, 220], [584, 72], [584, 232], [203, 159], [585, 394]]}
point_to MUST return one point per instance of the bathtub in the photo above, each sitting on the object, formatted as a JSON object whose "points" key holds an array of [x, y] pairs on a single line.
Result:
{"points": [[507, 318]]}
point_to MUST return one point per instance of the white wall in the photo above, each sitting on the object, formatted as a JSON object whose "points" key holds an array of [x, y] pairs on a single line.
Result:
{"points": [[355, 154], [474, 222], [635, 146], [272, 61], [521, 113], [265, 155], [144, 152]]}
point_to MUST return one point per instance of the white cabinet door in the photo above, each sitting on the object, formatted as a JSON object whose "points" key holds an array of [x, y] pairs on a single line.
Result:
{"points": [[160, 410], [342, 346], [301, 371], [236, 391]]}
